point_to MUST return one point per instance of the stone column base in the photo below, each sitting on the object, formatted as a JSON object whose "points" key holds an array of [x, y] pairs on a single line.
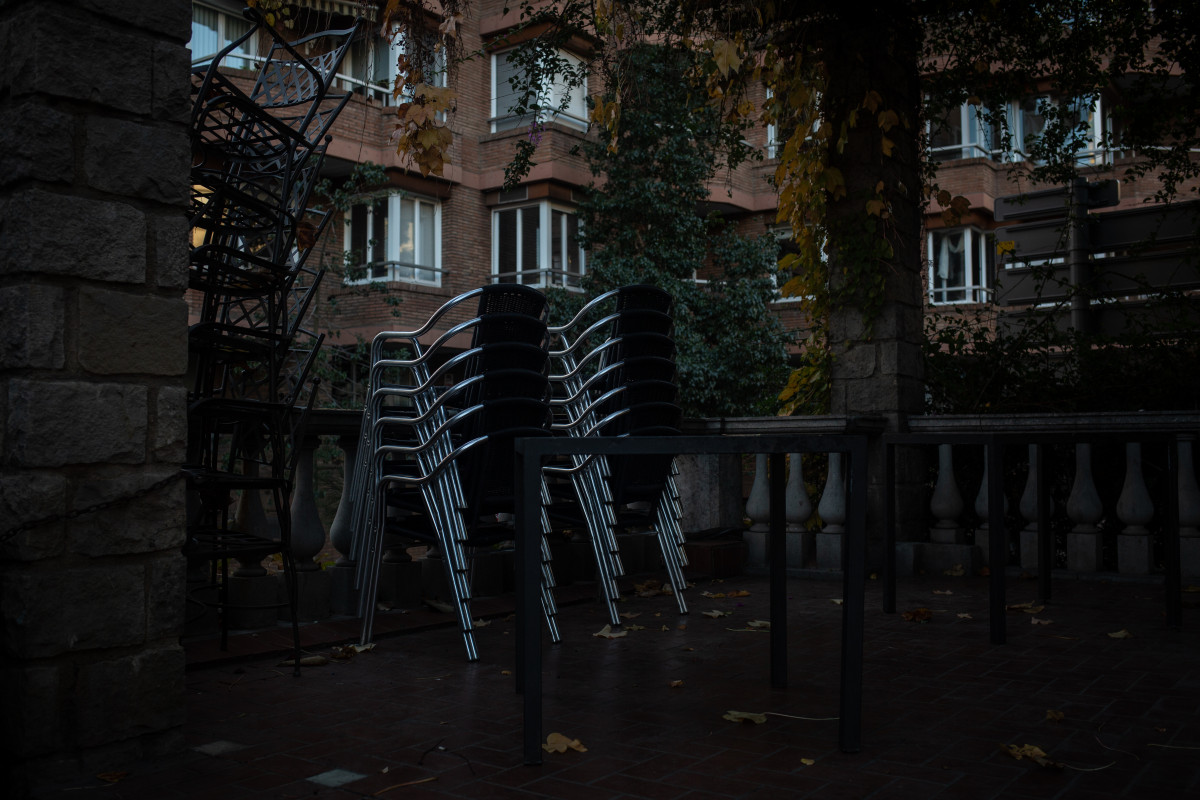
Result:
{"points": [[313, 589], [829, 551], [1029, 550], [801, 548], [756, 549], [253, 602], [343, 597], [1189, 556], [1135, 553], [1084, 552]]}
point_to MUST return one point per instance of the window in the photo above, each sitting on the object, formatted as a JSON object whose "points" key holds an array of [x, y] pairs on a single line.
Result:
{"points": [[213, 30], [778, 135], [537, 245], [369, 68], [964, 133], [960, 260], [556, 101], [967, 133], [396, 238]]}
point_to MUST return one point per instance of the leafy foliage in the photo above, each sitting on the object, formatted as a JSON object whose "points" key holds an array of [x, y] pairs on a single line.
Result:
{"points": [[644, 224]]}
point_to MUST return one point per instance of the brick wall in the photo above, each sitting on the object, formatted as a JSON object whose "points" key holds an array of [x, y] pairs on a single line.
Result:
{"points": [[93, 257]]}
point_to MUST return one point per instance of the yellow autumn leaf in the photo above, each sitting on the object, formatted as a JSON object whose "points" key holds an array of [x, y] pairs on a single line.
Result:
{"points": [[872, 100], [1055, 716], [808, 762], [608, 633], [887, 146], [745, 716], [675, 684], [557, 743], [726, 55], [888, 119]]}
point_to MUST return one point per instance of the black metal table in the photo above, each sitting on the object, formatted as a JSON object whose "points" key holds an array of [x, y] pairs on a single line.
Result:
{"points": [[531, 454]]}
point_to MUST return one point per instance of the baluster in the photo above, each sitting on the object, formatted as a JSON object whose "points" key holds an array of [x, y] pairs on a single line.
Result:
{"points": [[983, 533], [946, 504], [1029, 511], [798, 509], [1135, 509], [1085, 509], [832, 509], [252, 592], [343, 598], [1189, 512], [308, 539], [758, 509]]}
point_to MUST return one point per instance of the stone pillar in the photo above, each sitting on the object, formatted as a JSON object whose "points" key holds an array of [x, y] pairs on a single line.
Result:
{"points": [[1085, 509], [94, 162], [832, 509], [1189, 512], [1135, 550], [800, 542], [758, 510], [308, 538]]}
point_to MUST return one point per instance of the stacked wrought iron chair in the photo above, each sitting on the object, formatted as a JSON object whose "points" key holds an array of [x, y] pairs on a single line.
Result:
{"points": [[256, 158], [613, 374], [435, 461]]}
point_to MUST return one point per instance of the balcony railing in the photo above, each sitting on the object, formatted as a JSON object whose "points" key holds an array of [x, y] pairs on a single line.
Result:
{"points": [[1072, 495]]}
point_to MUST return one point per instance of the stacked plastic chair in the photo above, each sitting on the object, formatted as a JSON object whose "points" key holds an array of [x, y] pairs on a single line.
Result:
{"points": [[613, 374], [435, 461], [256, 156]]}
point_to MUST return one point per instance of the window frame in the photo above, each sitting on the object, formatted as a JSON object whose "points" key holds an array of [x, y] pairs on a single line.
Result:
{"points": [[978, 265], [550, 105], [248, 53], [394, 268], [546, 277]]}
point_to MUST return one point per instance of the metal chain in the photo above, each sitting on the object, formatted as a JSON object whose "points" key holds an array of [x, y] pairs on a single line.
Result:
{"points": [[79, 512]]}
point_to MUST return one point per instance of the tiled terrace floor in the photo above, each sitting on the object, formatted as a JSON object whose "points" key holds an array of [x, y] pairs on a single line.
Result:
{"points": [[413, 719]]}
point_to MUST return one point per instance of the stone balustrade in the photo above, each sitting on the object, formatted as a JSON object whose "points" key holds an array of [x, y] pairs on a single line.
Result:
{"points": [[1102, 517]]}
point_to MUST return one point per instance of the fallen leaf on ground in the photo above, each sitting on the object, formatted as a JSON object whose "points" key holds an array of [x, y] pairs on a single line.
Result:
{"points": [[808, 762], [1036, 621], [481, 623], [650, 588], [918, 615], [1028, 608], [738, 593], [309, 661], [506, 672], [837, 601], [112, 777], [1032, 752], [342, 653], [716, 614], [666, 628], [629, 614], [745, 716], [1121, 634], [608, 633], [712, 595], [675, 684], [956, 571], [681, 627], [942, 591], [764, 624], [965, 615], [635, 627], [1055, 716], [557, 743]]}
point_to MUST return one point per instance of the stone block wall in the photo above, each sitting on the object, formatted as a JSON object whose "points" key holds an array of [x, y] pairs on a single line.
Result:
{"points": [[94, 162]]}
